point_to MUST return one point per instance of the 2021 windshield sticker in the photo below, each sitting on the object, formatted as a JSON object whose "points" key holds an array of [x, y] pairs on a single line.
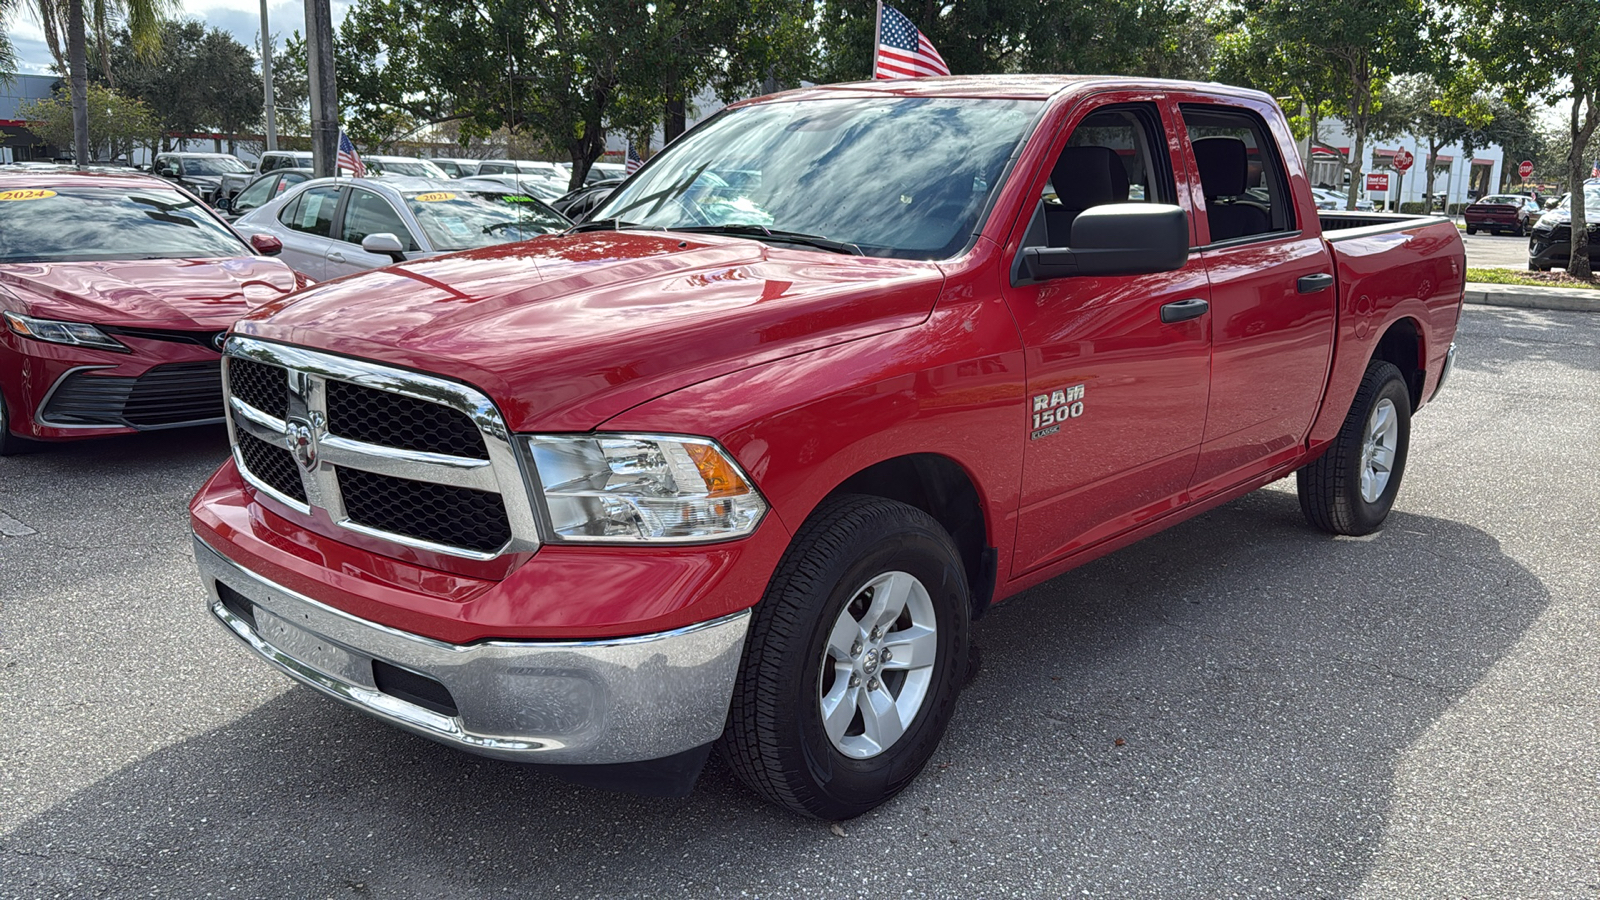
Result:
{"points": [[1052, 410]]}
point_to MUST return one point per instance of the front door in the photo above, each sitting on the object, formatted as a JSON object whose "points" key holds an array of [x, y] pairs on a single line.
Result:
{"points": [[1116, 397]]}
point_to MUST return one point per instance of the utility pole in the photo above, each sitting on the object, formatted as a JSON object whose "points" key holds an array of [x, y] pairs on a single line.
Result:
{"points": [[324, 90], [268, 101]]}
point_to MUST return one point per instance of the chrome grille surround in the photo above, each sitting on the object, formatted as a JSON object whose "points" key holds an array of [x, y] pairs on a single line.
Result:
{"points": [[307, 373]]}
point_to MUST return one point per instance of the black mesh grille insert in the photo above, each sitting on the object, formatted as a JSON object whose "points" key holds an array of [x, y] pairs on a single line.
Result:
{"points": [[273, 465], [174, 394], [260, 385], [392, 420], [456, 517]]}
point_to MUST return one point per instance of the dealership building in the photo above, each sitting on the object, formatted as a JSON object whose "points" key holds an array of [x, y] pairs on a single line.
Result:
{"points": [[17, 143]]}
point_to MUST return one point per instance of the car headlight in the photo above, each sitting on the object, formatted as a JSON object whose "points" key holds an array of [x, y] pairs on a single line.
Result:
{"points": [[644, 488], [78, 334]]}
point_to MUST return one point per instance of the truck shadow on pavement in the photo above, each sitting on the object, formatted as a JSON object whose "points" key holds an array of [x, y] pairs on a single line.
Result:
{"points": [[1216, 711]]}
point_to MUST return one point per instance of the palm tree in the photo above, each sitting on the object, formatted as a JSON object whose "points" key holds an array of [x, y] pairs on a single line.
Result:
{"points": [[68, 17]]}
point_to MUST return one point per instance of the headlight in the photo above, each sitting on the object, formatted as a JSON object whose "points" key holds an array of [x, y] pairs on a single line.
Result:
{"points": [[77, 334], [630, 487]]}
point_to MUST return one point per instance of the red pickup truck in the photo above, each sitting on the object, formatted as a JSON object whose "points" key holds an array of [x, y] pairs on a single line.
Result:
{"points": [[738, 461]]}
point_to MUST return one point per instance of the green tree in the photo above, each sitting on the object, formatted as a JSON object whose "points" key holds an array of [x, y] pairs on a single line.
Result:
{"points": [[199, 80], [117, 122], [79, 24], [1347, 50], [1551, 49]]}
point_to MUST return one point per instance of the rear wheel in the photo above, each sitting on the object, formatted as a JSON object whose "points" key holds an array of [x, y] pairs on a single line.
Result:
{"points": [[855, 658], [1352, 486], [1472, 229]]}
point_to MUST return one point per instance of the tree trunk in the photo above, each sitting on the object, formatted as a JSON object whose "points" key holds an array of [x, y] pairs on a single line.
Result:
{"points": [[675, 118], [78, 70], [1433, 173], [1583, 127]]}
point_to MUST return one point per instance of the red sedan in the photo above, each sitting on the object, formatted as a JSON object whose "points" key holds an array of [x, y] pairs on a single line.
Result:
{"points": [[115, 291]]}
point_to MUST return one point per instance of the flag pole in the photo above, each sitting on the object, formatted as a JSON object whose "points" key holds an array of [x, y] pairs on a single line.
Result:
{"points": [[877, 36]]}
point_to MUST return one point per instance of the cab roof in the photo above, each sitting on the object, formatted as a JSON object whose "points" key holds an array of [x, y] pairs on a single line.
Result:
{"points": [[1007, 87]]}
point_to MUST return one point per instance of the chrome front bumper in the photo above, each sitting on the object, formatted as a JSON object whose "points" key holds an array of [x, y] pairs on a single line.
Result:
{"points": [[617, 700]]}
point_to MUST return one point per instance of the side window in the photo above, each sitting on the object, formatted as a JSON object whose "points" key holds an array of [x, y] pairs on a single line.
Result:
{"points": [[495, 168], [254, 195], [312, 211], [1246, 188], [1115, 155], [272, 162], [450, 168], [367, 213]]}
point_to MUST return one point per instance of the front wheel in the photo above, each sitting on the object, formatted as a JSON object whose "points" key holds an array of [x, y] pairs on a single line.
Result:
{"points": [[1352, 486], [9, 443], [855, 657]]}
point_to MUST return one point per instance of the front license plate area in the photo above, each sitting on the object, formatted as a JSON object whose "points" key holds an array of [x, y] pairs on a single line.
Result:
{"points": [[312, 650]]}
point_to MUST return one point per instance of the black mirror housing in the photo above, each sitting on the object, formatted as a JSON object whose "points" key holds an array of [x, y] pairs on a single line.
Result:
{"points": [[1116, 239]]}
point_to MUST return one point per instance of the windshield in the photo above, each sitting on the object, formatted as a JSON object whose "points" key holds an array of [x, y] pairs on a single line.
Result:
{"points": [[898, 177], [1504, 200], [1591, 199], [461, 220], [420, 168], [66, 224], [213, 165]]}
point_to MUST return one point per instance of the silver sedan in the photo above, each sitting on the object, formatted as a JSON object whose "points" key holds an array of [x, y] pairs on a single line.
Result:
{"points": [[337, 226]]}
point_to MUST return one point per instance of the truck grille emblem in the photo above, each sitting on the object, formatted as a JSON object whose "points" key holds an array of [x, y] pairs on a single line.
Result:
{"points": [[301, 440]]}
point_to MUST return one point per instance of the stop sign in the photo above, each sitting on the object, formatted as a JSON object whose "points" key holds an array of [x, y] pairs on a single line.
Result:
{"points": [[1403, 159], [1526, 169]]}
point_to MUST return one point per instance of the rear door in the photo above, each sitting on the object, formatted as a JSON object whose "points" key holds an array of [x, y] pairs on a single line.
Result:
{"points": [[1273, 298], [1116, 397], [306, 227]]}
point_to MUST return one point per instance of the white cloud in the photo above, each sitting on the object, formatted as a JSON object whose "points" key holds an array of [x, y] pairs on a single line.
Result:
{"points": [[241, 18]]}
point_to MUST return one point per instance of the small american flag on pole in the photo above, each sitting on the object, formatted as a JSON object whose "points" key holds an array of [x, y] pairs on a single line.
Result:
{"points": [[634, 160], [348, 158], [903, 51]]}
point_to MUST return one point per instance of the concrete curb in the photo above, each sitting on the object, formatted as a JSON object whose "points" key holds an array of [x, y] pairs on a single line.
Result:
{"points": [[1527, 297]]}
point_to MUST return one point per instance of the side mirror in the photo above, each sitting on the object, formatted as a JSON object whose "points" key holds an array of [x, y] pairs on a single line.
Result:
{"points": [[223, 204], [167, 172], [385, 243], [1116, 239], [266, 244]]}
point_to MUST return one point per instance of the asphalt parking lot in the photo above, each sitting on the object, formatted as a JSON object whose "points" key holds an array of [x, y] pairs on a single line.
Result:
{"points": [[1238, 707], [1503, 251]]}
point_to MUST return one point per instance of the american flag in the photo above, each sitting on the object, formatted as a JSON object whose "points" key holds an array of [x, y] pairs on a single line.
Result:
{"points": [[903, 51], [634, 160], [349, 159], [1595, 171]]}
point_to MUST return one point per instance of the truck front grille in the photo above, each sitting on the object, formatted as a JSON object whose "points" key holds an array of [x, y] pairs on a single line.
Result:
{"points": [[392, 454]]}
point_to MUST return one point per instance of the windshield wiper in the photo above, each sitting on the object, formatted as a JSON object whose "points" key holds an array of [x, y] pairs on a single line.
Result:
{"points": [[762, 232], [603, 225]]}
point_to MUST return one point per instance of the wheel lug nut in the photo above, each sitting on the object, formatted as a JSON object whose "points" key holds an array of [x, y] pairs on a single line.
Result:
{"points": [[887, 655], [855, 649], [872, 685], [855, 680]]}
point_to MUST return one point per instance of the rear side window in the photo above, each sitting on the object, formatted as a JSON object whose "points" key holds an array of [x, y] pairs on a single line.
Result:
{"points": [[1244, 182], [312, 211], [496, 168]]}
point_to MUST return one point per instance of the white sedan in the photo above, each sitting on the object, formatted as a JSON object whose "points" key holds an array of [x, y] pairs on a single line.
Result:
{"points": [[337, 226]]}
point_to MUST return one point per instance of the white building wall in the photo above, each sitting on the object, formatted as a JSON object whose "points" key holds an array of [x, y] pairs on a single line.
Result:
{"points": [[1452, 178]]}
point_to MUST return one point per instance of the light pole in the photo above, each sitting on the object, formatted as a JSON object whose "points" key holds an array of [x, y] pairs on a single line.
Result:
{"points": [[268, 101], [324, 92]]}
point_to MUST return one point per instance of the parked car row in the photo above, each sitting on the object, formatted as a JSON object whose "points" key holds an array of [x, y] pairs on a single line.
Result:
{"points": [[117, 288]]}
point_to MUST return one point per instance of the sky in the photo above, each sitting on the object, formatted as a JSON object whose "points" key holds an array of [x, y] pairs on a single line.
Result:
{"points": [[242, 18]]}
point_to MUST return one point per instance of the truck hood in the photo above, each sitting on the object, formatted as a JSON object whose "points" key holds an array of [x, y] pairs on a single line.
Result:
{"points": [[566, 332], [204, 294]]}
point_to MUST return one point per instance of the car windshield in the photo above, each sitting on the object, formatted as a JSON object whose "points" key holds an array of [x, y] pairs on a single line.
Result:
{"points": [[66, 224], [1591, 200], [898, 177], [419, 168], [213, 165], [461, 220]]}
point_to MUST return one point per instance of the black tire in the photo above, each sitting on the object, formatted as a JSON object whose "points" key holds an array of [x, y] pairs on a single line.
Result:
{"points": [[1471, 230], [775, 739], [1330, 488], [9, 443]]}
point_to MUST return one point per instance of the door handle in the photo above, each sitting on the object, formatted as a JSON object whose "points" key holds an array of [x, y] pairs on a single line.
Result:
{"points": [[1181, 310], [1310, 284], [335, 256]]}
